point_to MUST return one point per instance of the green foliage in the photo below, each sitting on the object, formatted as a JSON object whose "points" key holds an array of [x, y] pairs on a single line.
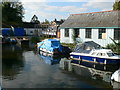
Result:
{"points": [[115, 46], [111, 46], [71, 46], [46, 22], [12, 14], [116, 6], [35, 39]]}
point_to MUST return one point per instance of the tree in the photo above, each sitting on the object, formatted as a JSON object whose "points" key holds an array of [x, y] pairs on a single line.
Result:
{"points": [[46, 21], [35, 19], [116, 5], [12, 14]]}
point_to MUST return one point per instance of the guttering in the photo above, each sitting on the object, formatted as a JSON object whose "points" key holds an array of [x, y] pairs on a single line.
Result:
{"points": [[88, 27]]}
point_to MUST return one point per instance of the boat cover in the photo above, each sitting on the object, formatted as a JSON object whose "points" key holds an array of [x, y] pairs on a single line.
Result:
{"points": [[86, 47], [50, 45]]}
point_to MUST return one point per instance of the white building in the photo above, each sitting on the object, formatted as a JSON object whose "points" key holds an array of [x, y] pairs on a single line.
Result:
{"points": [[32, 29], [96, 26]]}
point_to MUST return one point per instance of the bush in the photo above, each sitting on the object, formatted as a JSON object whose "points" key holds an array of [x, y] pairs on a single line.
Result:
{"points": [[71, 46], [35, 39], [115, 48], [111, 46]]}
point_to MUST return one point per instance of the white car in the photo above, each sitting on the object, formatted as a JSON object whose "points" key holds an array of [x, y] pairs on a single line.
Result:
{"points": [[116, 76]]}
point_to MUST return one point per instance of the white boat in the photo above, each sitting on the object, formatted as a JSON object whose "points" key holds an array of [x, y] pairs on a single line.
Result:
{"points": [[104, 56], [116, 76]]}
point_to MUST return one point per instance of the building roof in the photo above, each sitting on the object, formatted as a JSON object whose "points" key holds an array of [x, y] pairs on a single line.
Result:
{"points": [[31, 25], [94, 19]]}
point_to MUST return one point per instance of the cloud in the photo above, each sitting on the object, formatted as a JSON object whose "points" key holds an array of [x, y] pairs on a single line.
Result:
{"points": [[49, 11], [102, 4], [70, 9], [44, 10], [67, 0], [34, 0]]}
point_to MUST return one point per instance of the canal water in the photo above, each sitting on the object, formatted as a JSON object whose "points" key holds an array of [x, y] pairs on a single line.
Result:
{"points": [[23, 67]]}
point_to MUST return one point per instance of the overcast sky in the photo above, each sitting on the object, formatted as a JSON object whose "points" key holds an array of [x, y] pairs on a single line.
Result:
{"points": [[61, 9]]}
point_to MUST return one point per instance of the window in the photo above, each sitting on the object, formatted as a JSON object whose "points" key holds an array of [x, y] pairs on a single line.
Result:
{"points": [[94, 53], [88, 33], [101, 33], [76, 31], [117, 33], [31, 31], [110, 54], [101, 54], [66, 32]]}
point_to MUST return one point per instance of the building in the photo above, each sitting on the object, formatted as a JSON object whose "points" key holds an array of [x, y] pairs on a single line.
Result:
{"points": [[94, 26], [54, 27], [32, 29]]}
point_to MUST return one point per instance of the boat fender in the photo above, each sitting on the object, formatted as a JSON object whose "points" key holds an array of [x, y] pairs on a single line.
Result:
{"points": [[105, 61], [94, 59]]}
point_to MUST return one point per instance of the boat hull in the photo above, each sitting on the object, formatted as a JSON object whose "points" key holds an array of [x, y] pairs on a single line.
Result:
{"points": [[48, 52], [92, 59]]}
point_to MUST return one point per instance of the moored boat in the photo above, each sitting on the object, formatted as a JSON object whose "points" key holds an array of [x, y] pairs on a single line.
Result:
{"points": [[116, 76], [53, 47], [93, 54], [104, 56]]}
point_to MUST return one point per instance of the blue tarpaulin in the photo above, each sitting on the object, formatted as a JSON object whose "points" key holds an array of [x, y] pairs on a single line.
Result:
{"points": [[5, 31], [50, 45], [16, 31], [19, 32]]}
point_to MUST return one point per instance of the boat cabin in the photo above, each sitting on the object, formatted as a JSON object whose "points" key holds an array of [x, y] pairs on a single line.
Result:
{"points": [[102, 53]]}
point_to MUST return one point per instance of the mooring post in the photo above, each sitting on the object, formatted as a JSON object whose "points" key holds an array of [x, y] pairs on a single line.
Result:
{"points": [[62, 63], [69, 65]]}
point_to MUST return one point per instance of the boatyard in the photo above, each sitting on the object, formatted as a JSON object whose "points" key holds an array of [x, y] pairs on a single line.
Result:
{"points": [[80, 51]]}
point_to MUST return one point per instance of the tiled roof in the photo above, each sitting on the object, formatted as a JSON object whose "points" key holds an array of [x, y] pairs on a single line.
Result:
{"points": [[94, 19]]}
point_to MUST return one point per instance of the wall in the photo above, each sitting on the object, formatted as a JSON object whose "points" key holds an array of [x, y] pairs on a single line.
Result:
{"points": [[64, 39], [94, 37], [34, 31]]}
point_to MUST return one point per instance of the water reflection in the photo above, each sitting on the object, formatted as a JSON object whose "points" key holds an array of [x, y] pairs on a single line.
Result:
{"points": [[12, 62], [51, 60]]}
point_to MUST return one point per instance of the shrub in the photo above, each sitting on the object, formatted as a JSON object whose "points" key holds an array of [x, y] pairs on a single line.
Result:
{"points": [[35, 39], [115, 46]]}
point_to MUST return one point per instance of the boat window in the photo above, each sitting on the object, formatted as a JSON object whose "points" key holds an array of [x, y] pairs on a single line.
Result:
{"points": [[94, 53], [110, 54], [101, 54]]}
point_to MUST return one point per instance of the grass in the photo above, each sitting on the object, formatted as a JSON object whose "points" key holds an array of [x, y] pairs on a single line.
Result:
{"points": [[71, 45]]}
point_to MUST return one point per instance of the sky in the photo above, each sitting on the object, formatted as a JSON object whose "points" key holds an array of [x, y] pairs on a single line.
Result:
{"points": [[61, 9]]}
